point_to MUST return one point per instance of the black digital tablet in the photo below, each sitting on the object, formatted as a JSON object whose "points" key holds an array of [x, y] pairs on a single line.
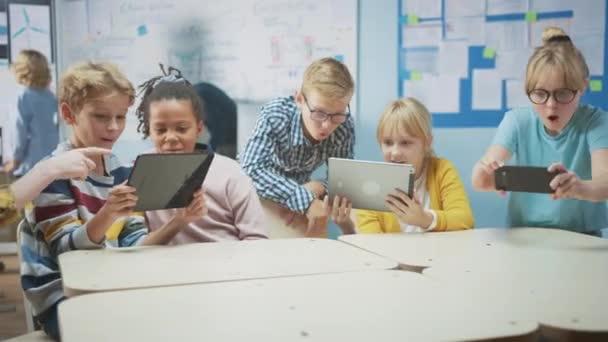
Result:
{"points": [[524, 179], [168, 180]]}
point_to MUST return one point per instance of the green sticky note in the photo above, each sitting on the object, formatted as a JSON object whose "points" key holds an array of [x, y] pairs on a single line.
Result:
{"points": [[531, 16], [596, 85], [489, 53], [412, 19], [415, 75]]}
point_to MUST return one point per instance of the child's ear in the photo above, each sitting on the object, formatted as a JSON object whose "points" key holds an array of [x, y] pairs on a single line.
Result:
{"points": [[429, 143], [299, 98], [67, 114], [200, 127]]}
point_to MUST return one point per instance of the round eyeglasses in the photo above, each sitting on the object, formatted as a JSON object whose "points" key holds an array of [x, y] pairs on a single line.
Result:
{"points": [[561, 95]]}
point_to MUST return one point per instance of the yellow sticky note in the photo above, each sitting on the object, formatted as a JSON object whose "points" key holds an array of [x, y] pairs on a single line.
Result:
{"points": [[596, 85], [415, 75], [531, 16], [489, 53], [412, 19]]}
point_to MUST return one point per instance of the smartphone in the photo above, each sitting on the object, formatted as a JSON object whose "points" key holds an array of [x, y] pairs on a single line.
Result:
{"points": [[524, 179]]}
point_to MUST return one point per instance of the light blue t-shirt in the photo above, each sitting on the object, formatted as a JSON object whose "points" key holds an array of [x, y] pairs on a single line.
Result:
{"points": [[522, 132]]}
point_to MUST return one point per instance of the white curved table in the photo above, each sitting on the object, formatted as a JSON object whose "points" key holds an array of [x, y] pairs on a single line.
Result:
{"points": [[86, 271], [354, 306], [558, 277]]}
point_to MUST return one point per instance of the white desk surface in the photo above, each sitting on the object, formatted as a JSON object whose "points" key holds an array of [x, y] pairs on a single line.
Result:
{"points": [[36, 336], [354, 306], [468, 246], [128, 268], [560, 277]]}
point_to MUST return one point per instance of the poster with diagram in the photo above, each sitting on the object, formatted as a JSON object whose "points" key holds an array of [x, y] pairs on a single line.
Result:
{"points": [[30, 27], [466, 59]]}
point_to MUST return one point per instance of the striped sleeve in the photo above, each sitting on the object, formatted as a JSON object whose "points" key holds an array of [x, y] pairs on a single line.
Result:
{"points": [[40, 275], [257, 161], [55, 215]]}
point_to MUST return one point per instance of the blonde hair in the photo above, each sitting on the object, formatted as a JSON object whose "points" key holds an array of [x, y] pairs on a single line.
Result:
{"points": [[90, 81], [407, 115], [330, 78], [31, 69], [558, 53]]}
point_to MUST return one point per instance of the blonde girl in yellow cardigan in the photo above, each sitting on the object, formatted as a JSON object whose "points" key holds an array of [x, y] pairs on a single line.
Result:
{"points": [[440, 202]]}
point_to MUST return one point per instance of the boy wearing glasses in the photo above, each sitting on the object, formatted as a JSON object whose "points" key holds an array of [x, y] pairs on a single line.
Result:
{"points": [[292, 137], [559, 132]]}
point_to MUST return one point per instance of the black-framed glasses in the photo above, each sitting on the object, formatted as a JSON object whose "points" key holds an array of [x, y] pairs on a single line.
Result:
{"points": [[321, 116], [561, 95]]}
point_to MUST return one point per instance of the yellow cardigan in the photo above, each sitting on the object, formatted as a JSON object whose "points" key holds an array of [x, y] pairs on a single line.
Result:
{"points": [[448, 200]]}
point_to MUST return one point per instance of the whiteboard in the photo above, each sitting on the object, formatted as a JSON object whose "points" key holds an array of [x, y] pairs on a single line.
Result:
{"points": [[253, 49]]}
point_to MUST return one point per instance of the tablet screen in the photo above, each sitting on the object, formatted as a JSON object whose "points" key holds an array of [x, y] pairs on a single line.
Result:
{"points": [[168, 180], [366, 184]]}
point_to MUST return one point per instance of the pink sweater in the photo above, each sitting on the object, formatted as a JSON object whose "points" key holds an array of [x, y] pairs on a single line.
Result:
{"points": [[235, 212]]}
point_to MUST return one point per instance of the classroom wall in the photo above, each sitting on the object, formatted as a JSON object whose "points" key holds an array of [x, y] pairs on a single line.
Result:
{"points": [[377, 85]]}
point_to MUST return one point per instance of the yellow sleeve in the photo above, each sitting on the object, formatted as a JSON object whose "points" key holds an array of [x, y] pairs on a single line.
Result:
{"points": [[8, 212], [368, 222], [455, 212]]}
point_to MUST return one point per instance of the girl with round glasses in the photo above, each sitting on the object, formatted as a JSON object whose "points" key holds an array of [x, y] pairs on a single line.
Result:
{"points": [[557, 132]]}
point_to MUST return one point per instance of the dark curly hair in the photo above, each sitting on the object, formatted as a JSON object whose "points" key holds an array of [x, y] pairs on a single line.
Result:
{"points": [[170, 86]]}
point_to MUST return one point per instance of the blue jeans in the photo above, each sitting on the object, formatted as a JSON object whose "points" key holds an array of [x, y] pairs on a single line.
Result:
{"points": [[50, 321]]}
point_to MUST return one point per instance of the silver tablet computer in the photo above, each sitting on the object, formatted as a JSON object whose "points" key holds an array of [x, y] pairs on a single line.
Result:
{"points": [[366, 184], [168, 180]]}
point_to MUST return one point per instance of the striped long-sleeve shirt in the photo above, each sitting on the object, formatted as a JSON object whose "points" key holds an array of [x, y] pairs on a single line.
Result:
{"points": [[279, 158], [57, 223]]}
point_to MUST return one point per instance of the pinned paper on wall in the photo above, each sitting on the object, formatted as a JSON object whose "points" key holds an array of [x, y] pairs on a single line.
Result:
{"points": [[487, 89], [499, 7], [592, 47], [440, 94], [422, 8], [512, 64], [471, 29], [422, 35], [507, 35], [465, 8], [486, 45], [516, 94], [453, 58], [423, 60]]}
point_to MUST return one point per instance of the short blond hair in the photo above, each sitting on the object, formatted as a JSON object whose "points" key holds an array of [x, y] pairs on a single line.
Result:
{"points": [[90, 81], [407, 115], [31, 69], [558, 53], [330, 78]]}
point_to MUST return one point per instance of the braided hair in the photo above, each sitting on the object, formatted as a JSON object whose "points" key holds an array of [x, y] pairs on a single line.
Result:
{"points": [[171, 85]]}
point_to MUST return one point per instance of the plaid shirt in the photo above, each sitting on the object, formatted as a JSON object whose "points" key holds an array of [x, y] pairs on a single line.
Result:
{"points": [[279, 158]]}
